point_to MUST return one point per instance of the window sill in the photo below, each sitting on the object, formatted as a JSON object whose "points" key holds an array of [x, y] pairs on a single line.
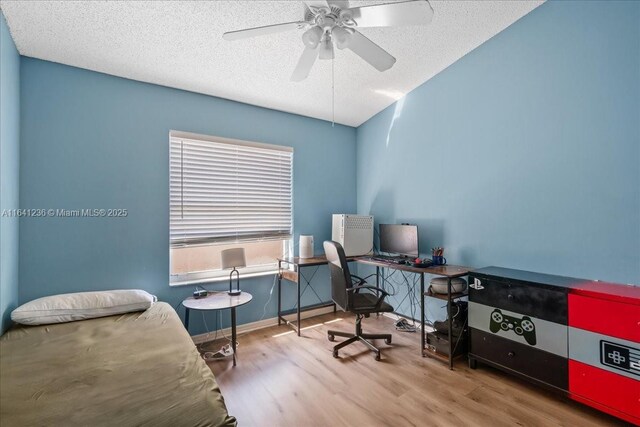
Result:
{"points": [[221, 278]]}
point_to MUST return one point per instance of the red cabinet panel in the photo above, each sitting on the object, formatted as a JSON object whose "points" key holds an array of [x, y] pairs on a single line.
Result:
{"points": [[615, 319], [610, 291], [606, 391]]}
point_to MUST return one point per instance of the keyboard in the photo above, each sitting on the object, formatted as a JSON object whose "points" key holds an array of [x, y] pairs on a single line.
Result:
{"points": [[401, 261], [391, 260]]}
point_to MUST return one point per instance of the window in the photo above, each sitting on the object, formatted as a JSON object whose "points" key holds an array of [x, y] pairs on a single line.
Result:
{"points": [[227, 193]]}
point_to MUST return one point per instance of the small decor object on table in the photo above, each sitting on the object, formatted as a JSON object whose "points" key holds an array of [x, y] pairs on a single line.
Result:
{"points": [[306, 246], [233, 258], [439, 285], [437, 256]]}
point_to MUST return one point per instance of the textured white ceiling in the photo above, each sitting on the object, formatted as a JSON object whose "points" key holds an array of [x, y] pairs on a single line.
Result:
{"points": [[179, 44]]}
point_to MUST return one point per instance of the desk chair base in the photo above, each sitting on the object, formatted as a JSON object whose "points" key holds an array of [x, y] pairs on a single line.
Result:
{"points": [[358, 336]]}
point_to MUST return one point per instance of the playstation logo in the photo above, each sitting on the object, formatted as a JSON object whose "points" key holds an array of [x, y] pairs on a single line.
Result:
{"points": [[477, 285]]}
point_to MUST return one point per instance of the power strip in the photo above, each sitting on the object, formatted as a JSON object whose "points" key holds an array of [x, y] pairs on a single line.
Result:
{"points": [[200, 293]]}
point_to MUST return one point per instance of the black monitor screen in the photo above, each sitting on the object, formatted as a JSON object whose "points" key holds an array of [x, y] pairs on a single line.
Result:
{"points": [[399, 239]]}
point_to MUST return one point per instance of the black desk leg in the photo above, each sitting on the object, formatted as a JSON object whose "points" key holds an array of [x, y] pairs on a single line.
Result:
{"points": [[298, 311], [450, 322], [279, 292], [186, 319], [422, 314], [377, 284], [233, 333]]}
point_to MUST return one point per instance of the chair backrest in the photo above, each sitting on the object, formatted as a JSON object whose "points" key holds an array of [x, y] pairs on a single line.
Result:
{"points": [[340, 276]]}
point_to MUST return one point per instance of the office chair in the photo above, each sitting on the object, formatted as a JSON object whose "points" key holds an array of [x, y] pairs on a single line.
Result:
{"points": [[346, 293]]}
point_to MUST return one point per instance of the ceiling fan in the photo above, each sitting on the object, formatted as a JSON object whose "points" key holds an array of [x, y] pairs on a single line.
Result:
{"points": [[332, 21]]}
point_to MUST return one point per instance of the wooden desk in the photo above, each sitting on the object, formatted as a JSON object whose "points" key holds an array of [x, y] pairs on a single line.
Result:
{"points": [[448, 271], [294, 275]]}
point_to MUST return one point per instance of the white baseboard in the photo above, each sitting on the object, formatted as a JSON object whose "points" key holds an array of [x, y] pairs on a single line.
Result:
{"points": [[260, 324], [273, 321]]}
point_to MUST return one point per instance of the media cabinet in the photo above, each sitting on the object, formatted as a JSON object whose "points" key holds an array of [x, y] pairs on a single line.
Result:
{"points": [[578, 337]]}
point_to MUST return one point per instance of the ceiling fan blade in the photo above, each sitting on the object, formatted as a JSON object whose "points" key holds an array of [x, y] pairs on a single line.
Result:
{"points": [[370, 52], [416, 12], [305, 63], [261, 31], [342, 4], [317, 3]]}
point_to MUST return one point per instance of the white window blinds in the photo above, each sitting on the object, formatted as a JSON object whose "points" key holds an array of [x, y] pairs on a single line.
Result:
{"points": [[225, 190]]}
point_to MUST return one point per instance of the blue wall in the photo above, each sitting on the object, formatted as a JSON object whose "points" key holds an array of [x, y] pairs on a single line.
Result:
{"points": [[90, 140], [526, 152], [9, 172]]}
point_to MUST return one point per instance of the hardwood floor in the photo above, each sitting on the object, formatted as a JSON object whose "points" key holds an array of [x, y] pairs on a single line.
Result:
{"points": [[285, 380]]}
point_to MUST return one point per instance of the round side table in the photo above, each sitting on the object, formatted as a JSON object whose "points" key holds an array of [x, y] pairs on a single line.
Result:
{"points": [[218, 301]]}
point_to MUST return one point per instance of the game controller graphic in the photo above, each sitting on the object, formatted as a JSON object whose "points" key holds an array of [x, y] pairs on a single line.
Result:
{"points": [[620, 356], [523, 327]]}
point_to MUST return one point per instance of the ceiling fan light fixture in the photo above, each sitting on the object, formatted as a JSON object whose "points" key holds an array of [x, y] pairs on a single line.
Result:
{"points": [[342, 37], [312, 37], [326, 49], [326, 21]]}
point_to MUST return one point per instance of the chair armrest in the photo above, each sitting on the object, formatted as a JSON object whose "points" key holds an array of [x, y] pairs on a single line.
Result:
{"points": [[383, 293], [357, 288], [357, 280]]}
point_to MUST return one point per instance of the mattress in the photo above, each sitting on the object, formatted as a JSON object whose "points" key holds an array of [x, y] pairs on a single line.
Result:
{"points": [[136, 369]]}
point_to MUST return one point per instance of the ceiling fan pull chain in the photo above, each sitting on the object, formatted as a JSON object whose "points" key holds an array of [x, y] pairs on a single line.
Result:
{"points": [[333, 95]]}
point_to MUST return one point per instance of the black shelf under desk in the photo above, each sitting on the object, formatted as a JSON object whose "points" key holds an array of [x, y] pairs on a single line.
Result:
{"points": [[448, 271]]}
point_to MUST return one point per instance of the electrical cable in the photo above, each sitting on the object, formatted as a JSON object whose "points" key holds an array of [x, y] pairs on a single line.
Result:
{"points": [[264, 309], [206, 327], [393, 280], [387, 280], [221, 329], [200, 346], [225, 350], [412, 306]]}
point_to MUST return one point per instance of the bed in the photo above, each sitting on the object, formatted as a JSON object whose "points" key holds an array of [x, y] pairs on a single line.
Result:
{"points": [[137, 369]]}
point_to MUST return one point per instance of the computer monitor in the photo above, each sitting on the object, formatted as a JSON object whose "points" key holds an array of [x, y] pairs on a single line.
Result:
{"points": [[401, 239]]}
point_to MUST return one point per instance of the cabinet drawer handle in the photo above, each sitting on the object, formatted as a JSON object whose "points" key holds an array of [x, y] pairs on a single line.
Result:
{"points": [[511, 354]]}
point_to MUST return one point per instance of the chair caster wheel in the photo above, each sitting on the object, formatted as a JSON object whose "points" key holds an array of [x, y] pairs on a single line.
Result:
{"points": [[335, 353], [331, 337], [387, 341], [378, 356]]}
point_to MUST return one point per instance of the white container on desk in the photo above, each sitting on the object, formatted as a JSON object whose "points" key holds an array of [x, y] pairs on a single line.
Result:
{"points": [[306, 246]]}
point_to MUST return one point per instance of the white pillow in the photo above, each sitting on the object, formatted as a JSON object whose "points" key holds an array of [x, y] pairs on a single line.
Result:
{"points": [[82, 305]]}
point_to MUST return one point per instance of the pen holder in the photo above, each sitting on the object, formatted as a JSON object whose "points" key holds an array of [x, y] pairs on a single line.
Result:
{"points": [[439, 260]]}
